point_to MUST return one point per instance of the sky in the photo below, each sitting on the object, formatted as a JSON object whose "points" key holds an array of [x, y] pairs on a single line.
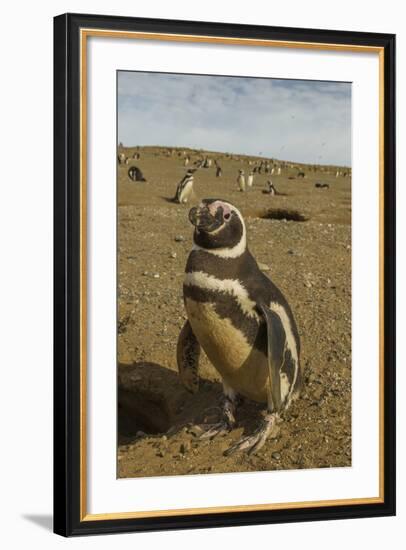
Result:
{"points": [[298, 120]]}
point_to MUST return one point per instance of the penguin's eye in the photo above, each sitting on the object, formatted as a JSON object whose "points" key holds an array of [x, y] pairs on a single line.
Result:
{"points": [[227, 216]]}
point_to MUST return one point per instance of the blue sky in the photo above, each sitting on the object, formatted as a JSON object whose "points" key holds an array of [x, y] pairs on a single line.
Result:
{"points": [[303, 121]]}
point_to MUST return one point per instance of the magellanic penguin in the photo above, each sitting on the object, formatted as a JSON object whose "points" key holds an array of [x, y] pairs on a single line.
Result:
{"points": [[241, 180], [271, 188], [185, 188], [241, 320], [250, 179], [135, 174]]}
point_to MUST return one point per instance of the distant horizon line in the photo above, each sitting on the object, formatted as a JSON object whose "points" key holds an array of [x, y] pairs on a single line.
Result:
{"points": [[258, 156]]}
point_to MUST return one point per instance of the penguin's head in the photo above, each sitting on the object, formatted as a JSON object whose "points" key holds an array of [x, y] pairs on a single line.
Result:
{"points": [[219, 227]]}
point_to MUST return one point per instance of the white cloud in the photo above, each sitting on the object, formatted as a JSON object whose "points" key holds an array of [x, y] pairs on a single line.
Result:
{"points": [[306, 121]]}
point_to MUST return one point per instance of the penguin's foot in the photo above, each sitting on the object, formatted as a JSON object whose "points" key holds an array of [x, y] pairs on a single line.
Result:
{"points": [[215, 429], [226, 423], [255, 442]]}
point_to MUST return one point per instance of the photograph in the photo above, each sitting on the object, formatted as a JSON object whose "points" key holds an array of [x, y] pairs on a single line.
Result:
{"points": [[233, 274], [224, 260]]}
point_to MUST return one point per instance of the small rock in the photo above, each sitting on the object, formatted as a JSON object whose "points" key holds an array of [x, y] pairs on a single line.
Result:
{"points": [[263, 267], [173, 255], [179, 238], [318, 393], [140, 433], [291, 252], [145, 273], [156, 275], [276, 456]]}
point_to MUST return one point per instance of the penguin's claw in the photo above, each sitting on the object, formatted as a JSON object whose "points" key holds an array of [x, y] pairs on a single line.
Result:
{"points": [[256, 441], [215, 429], [251, 444]]}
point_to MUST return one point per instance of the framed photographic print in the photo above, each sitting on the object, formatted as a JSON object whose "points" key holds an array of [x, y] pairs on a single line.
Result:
{"points": [[224, 274]]}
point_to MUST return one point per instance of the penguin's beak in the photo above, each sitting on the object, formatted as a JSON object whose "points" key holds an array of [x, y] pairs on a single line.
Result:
{"points": [[203, 219], [194, 216]]}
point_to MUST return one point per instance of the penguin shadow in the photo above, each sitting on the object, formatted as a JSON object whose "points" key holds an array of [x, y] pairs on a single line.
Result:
{"points": [[151, 401], [168, 199], [172, 200]]}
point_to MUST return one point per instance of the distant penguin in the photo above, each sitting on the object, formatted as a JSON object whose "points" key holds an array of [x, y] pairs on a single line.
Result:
{"points": [[321, 185], [218, 171], [241, 180], [135, 174], [279, 171], [300, 174], [271, 188], [185, 188], [136, 156], [121, 158], [241, 320], [186, 162], [250, 179]]}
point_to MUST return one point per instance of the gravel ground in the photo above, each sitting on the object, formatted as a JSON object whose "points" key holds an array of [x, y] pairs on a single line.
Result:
{"points": [[158, 421]]}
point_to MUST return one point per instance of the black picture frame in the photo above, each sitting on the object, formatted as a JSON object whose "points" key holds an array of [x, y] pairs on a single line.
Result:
{"points": [[67, 346]]}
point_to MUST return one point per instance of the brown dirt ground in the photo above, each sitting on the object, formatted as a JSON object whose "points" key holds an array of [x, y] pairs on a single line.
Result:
{"points": [[310, 261]]}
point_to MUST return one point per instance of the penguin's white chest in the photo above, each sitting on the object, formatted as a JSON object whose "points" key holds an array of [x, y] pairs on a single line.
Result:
{"points": [[186, 192], [225, 345], [241, 182]]}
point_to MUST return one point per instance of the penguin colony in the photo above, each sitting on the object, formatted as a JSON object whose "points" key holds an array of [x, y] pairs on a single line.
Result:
{"points": [[234, 311], [240, 319], [185, 186]]}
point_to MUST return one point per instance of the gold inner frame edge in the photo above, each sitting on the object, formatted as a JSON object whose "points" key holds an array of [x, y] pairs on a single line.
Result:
{"points": [[84, 34]]}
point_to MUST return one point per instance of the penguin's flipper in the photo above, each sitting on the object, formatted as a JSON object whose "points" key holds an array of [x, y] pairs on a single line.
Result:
{"points": [[276, 342], [187, 354]]}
